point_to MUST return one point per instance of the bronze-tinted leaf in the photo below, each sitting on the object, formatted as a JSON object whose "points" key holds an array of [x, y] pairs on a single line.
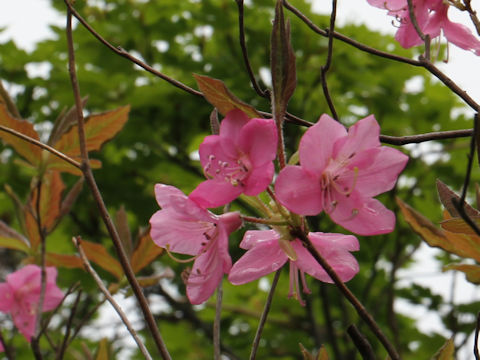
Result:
{"points": [[14, 244], [459, 244], [123, 229], [282, 61], [29, 151], [6, 100], [99, 128], [472, 272], [63, 260], [446, 194], [217, 94], [446, 352], [145, 252], [100, 256], [458, 225]]}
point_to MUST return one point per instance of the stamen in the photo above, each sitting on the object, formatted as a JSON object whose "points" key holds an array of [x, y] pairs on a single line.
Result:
{"points": [[183, 261]]}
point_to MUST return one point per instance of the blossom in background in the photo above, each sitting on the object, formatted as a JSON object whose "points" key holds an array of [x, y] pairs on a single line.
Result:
{"points": [[20, 294], [182, 226], [266, 254], [238, 160], [340, 172], [432, 19]]}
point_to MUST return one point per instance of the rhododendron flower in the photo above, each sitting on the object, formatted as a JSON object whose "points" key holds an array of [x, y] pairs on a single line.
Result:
{"points": [[184, 227], [266, 254], [340, 172], [432, 18], [20, 295], [238, 160]]}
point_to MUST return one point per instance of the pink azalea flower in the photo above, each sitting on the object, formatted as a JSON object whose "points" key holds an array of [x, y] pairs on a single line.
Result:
{"points": [[182, 226], [432, 18], [238, 160], [340, 173], [20, 295], [265, 255]]}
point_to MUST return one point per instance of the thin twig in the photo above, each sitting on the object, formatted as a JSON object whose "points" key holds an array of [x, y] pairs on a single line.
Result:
{"points": [[111, 300], [241, 30], [68, 327], [361, 343], [123, 53], [425, 37], [122, 256], [460, 203], [7, 351], [43, 275], [423, 62], [41, 145], [475, 341], [256, 220], [362, 312], [216, 323], [263, 319], [326, 67], [473, 15]]}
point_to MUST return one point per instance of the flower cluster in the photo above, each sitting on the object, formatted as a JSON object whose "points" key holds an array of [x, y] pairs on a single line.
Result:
{"points": [[340, 172], [20, 296], [432, 19]]}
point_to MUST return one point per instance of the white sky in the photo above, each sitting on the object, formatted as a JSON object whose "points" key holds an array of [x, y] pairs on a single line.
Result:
{"points": [[27, 22]]}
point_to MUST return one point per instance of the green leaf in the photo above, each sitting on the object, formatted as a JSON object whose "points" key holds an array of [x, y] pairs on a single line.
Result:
{"points": [[217, 94], [103, 351], [14, 244]]}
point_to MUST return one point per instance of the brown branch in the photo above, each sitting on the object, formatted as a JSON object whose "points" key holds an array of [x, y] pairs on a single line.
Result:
{"points": [[473, 15], [78, 244], [73, 310], [358, 306], [423, 62], [123, 53], [326, 67], [413, 19], [263, 319], [241, 29], [361, 343], [124, 261]]}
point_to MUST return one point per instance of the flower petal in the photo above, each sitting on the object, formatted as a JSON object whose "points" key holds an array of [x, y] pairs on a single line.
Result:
{"points": [[258, 139], [299, 191], [461, 36], [335, 249], [258, 179], [363, 135], [254, 237], [382, 174], [183, 237], [208, 270], [214, 193], [362, 216], [264, 258], [316, 145], [6, 297], [53, 295]]}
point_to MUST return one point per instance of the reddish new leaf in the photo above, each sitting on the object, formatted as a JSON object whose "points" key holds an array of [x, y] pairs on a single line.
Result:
{"points": [[472, 272], [217, 94], [14, 244], [30, 152], [63, 260], [145, 252], [123, 229], [100, 256], [50, 199], [446, 195], [99, 128]]}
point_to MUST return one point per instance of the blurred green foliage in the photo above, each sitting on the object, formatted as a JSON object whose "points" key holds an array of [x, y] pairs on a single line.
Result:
{"points": [[166, 125]]}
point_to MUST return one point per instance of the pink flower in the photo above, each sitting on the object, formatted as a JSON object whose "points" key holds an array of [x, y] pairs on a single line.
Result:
{"points": [[238, 160], [340, 173], [20, 295], [184, 227], [265, 254], [432, 18]]}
